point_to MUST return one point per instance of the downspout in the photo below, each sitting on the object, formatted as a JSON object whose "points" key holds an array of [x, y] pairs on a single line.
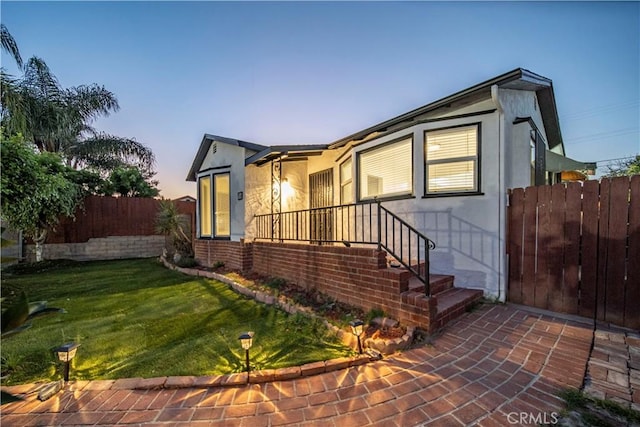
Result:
{"points": [[502, 275]]}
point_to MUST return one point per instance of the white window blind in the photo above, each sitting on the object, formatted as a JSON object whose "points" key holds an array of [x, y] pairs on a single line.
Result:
{"points": [[452, 160], [386, 170]]}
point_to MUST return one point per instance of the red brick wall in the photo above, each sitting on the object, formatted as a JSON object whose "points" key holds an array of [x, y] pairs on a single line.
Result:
{"points": [[357, 276], [235, 255]]}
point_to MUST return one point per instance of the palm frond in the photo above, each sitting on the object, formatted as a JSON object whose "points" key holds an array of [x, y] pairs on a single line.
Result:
{"points": [[103, 151], [9, 45]]}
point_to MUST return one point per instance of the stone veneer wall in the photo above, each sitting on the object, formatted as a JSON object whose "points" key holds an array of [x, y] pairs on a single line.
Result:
{"points": [[112, 247]]}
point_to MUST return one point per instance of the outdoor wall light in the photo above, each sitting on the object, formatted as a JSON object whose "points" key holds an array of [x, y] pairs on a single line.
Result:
{"points": [[66, 353], [357, 327], [246, 340]]}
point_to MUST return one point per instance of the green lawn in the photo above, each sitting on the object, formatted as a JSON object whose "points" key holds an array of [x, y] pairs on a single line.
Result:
{"points": [[135, 318]]}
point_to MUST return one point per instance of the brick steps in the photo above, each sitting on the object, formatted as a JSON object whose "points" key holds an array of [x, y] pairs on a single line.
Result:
{"points": [[452, 302]]}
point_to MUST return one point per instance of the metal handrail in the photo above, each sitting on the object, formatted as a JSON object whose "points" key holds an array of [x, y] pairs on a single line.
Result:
{"points": [[356, 223]]}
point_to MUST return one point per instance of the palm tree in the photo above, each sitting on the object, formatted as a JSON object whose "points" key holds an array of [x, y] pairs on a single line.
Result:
{"points": [[58, 119]]}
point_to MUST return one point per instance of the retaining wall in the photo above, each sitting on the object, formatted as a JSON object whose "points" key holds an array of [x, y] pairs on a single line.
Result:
{"points": [[356, 276], [112, 247]]}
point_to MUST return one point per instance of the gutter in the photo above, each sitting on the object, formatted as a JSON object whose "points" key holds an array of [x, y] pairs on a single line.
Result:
{"points": [[502, 201]]}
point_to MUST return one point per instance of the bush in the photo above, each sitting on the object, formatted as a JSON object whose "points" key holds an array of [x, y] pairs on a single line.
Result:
{"points": [[186, 262], [275, 282]]}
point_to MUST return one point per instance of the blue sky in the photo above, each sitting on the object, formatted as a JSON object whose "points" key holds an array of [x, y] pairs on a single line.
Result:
{"points": [[302, 72]]}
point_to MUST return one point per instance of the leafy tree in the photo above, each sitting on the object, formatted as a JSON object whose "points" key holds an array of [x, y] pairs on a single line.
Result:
{"points": [[36, 190], [625, 167], [129, 182]]}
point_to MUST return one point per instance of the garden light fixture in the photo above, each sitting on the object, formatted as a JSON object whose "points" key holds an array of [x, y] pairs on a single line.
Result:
{"points": [[66, 353], [246, 340], [357, 327]]}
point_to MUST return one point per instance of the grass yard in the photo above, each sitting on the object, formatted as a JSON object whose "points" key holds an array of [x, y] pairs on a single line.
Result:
{"points": [[135, 318]]}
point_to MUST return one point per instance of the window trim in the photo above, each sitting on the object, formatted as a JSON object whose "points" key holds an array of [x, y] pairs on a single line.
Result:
{"points": [[211, 176], [478, 162], [392, 196]]}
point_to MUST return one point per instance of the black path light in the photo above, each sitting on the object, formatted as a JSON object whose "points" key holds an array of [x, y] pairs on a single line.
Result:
{"points": [[66, 353], [246, 340], [357, 327]]}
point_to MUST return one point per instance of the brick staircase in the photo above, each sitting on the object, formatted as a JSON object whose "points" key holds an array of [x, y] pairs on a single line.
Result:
{"points": [[451, 302]]}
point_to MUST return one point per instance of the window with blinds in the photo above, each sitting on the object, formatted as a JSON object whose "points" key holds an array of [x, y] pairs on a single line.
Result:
{"points": [[346, 182], [451, 164], [386, 170]]}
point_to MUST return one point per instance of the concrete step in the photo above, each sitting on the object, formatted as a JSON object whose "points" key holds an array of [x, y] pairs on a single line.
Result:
{"points": [[454, 302], [438, 283]]}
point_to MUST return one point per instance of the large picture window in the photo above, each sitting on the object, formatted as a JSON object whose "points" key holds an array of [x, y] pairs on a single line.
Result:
{"points": [[451, 160], [386, 170], [214, 205]]}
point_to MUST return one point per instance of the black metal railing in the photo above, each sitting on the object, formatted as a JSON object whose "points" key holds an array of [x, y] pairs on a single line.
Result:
{"points": [[357, 223]]}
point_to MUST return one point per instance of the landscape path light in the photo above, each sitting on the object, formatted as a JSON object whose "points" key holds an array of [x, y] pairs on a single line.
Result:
{"points": [[246, 340], [66, 353], [357, 327]]}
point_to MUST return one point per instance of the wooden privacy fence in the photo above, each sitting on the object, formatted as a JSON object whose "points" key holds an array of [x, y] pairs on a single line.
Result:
{"points": [[114, 216], [575, 248]]}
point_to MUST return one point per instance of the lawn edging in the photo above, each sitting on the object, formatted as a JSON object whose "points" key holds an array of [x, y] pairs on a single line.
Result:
{"points": [[382, 346]]}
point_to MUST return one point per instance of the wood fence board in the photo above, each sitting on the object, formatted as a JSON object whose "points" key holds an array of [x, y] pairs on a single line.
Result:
{"points": [[554, 252], [529, 246], [632, 296], [572, 248], [515, 215], [544, 238], [617, 250], [603, 247], [589, 249]]}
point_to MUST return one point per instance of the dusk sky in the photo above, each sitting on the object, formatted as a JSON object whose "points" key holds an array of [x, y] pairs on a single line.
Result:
{"points": [[312, 72]]}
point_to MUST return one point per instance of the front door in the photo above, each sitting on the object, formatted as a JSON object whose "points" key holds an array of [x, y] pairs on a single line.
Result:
{"points": [[321, 196]]}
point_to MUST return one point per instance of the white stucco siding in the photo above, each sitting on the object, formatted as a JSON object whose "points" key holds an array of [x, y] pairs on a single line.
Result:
{"points": [[466, 228], [518, 103], [229, 159], [258, 198]]}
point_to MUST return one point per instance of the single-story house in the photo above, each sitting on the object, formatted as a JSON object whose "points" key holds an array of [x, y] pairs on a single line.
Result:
{"points": [[426, 190]]}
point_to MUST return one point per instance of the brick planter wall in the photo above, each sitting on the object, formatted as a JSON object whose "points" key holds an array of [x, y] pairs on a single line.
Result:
{"points": [[235, 255], [356, 276]]}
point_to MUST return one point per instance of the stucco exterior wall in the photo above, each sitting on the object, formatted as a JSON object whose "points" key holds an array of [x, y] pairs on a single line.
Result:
{"points": [[229, 158], [517, 103]]}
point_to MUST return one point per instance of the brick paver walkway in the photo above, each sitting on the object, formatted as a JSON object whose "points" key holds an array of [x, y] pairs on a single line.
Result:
{"points": [[486, 369]]}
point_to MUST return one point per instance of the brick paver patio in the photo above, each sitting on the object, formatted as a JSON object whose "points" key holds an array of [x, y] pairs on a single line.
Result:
{"points": [[487, 369]]}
